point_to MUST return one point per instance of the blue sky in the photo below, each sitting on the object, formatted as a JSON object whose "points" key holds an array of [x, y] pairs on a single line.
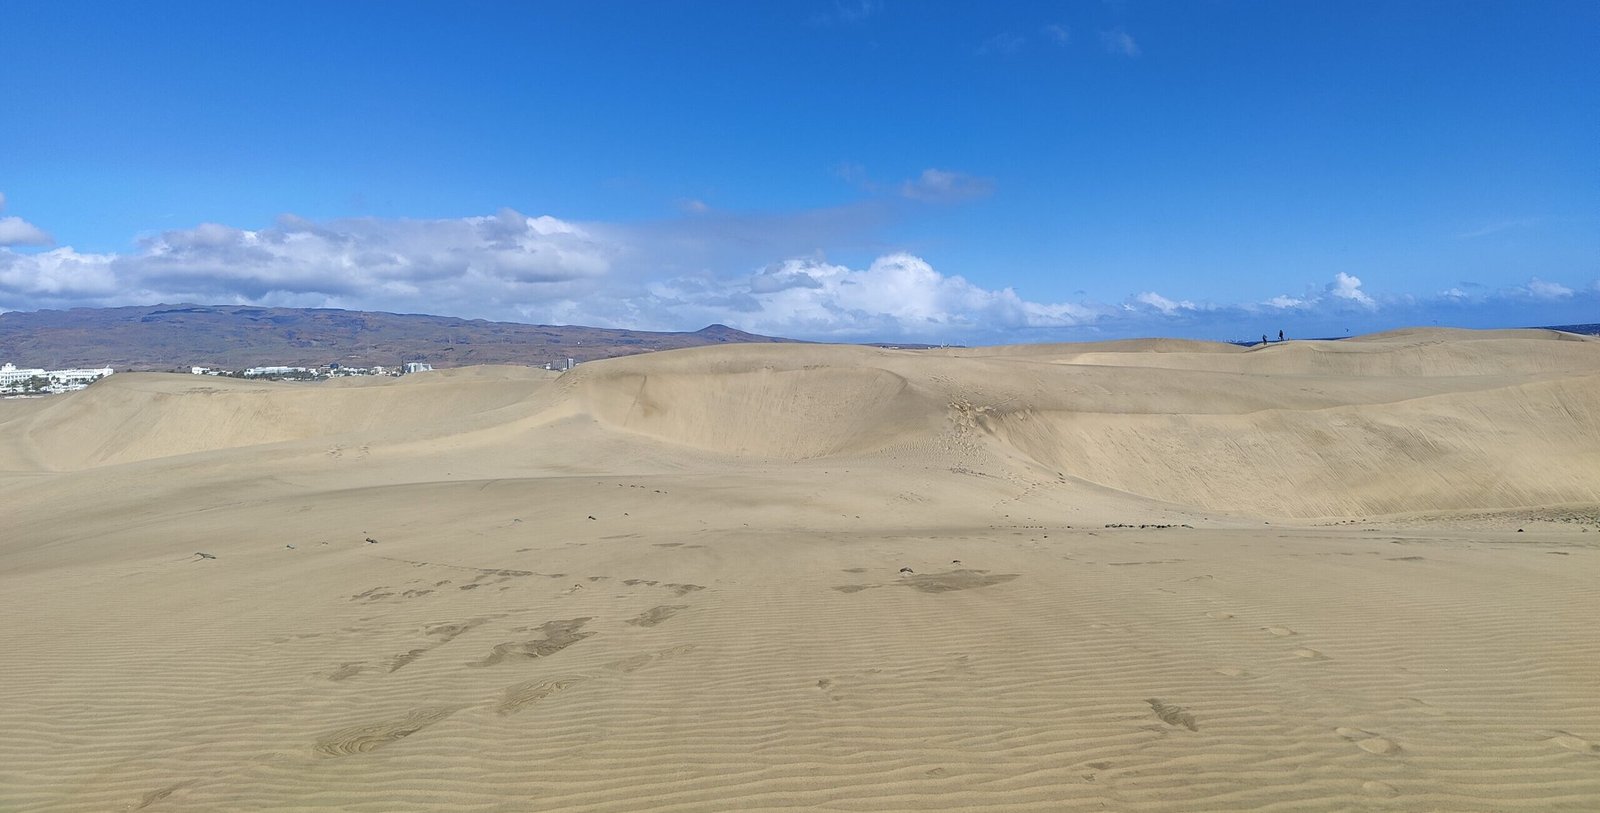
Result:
{"points": [[820, 169]]}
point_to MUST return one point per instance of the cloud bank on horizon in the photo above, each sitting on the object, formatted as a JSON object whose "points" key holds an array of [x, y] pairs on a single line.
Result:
{"points": [[543, 269]]}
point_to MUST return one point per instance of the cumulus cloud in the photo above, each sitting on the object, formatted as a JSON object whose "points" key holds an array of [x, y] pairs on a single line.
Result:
{"points": [[1118, 41], [1348, 288], [489, 262], [692, 271], [58, 276], [897, 295], [500, 258], [510, 265], [1166, 306], [14, 231], [1539, 289], [945, 186]]}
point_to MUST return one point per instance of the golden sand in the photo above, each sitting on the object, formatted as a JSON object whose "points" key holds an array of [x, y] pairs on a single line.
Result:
{"points": [[1139, 576]]}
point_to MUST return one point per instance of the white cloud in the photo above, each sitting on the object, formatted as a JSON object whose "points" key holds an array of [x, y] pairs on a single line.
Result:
{"points": [[1057, 33], [898, 295], [511, 266], [1343, 290], [489, 263], [945, 186], [1348, 287], [14, 231], [693, 270], [1539, 289], [58, 276], [1118, 41], [1166, 306]]}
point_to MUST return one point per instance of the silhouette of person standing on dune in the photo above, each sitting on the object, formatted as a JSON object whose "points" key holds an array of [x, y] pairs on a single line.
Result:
{"points": [[1263, 339], [1280, 335]]}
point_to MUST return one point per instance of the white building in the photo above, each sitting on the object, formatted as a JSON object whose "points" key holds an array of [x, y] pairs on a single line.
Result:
{"points": [[10, 374], [260, 371], [418, 367], [78, 376]]}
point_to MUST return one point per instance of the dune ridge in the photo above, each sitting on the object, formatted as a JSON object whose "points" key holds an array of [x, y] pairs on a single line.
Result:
{"points": [[1415, 421]]}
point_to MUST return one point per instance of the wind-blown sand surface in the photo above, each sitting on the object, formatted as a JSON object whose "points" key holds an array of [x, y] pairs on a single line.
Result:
{"points": [[817, 577]]}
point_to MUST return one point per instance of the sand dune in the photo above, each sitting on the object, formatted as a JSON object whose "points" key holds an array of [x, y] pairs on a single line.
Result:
{"points": [[1475, 423], [145, 415], [1146, 576]]}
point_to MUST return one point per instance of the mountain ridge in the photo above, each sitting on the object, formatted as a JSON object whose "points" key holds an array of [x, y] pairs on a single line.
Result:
{"points": [[168, 336]]}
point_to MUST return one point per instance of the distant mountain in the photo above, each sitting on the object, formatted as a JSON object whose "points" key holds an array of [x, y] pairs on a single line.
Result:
{"points": [[166, 337]]}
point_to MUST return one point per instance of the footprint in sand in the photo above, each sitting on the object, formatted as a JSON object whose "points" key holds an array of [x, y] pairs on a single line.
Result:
{"points": [[640, 661], [359, 739], [449, 632], [826, 685], [399, 661], [955, 580], [1281, 632], [1368, 741], [1573, 742], [345, 670], [1310, 654], [1172, 715], [656, 615], [558, 635], [631, 664], [1232, 671], [161, 793], [525, 694], [1219, 615]]}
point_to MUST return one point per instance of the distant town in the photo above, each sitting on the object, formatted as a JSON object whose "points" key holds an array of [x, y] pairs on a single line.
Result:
{"points": [[31, 382], [335, 370]]}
